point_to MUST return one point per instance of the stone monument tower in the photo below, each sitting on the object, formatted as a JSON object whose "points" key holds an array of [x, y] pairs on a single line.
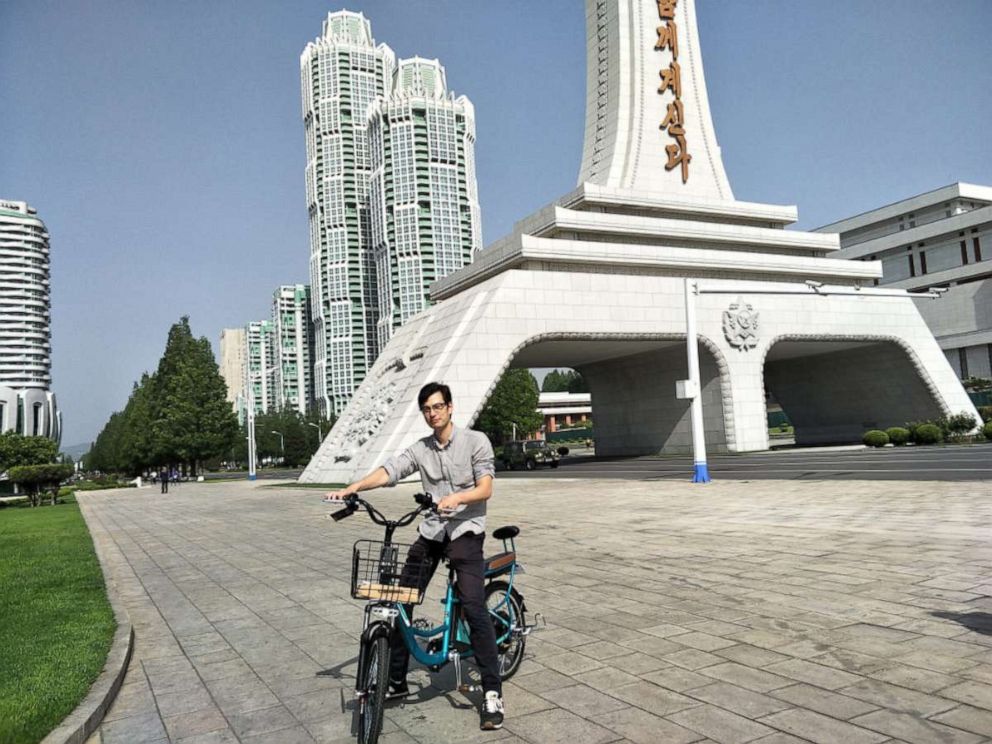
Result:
{"points": [[596, 280]]}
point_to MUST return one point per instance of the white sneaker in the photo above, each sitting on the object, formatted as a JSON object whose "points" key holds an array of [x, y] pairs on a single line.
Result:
{"points": [[491, 715]]}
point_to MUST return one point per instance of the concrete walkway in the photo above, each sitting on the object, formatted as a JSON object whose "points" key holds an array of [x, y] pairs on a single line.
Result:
{"points": [[735, 612]]}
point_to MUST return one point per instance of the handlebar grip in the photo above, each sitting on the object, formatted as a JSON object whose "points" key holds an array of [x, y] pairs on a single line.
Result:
{"points": [[343, 513]]}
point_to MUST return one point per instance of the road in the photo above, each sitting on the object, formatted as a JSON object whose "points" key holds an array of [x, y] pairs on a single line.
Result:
{"points": [[942, 463]]}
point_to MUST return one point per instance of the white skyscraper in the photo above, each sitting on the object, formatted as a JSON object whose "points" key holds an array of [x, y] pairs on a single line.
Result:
{"points": [[260, 366], [391, 194], [341, 73], [232, 362], [26, 403], [423, 195], [291, 327]]}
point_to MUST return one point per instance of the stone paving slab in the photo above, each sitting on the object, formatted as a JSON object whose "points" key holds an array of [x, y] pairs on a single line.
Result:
{"points": [[768, 612]]}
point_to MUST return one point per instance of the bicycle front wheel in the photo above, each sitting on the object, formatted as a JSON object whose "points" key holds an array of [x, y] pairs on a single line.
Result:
{"points": [[507, 615], [374, 677]]}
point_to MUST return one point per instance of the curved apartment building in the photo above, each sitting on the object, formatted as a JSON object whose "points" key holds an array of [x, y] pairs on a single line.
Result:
{"points": [[27, 404]]}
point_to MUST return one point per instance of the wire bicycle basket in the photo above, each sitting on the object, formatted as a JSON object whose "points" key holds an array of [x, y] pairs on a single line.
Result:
{"points": [[381, 571]]}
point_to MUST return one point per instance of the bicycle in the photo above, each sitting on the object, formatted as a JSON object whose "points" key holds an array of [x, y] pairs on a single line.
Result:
{"points": [[381, 574]]}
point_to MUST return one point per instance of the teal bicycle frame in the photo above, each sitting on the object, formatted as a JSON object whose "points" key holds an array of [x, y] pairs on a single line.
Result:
{"points": [[459, 634]]}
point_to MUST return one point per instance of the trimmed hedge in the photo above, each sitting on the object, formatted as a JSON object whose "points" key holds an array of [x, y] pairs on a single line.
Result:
{"points": [[987, 431], [927, 434], [875, 438], [898, 435]]}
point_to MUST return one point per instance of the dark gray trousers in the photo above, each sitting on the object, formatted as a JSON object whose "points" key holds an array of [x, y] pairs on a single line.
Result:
{"points": [[465, 556]]}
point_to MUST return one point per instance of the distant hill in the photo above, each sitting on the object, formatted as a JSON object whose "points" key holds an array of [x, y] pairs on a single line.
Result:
{"points": [[76, 451]]}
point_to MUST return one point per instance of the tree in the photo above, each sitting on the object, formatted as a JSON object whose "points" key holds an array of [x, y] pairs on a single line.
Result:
{"points": [[37, 479], [192, 419], [137, 440], [514, 401], [567, 381], [554, 382], [17, 449], [104, 455], [577, 383]]}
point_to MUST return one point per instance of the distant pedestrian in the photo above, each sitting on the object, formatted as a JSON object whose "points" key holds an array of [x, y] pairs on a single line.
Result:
{"points": [[163, 477], [175, 475]]}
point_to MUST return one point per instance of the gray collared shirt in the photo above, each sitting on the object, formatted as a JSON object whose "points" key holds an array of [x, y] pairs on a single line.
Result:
{"points": [[456, 467]]}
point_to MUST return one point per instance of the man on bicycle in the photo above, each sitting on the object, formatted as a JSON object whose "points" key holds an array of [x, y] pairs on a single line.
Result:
{"points": [[456, 469]]}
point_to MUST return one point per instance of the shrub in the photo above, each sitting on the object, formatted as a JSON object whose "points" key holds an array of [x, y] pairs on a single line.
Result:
{"points": [[985, 412], [927, 434], [959, 423], [897, 435], [987, 431], [875, 438], [37, 479]]}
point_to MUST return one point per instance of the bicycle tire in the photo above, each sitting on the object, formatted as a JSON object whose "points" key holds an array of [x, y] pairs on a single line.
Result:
{"points": [[374, 677], [510, 653]]}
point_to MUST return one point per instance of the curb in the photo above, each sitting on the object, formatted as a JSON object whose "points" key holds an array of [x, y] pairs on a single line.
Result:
{"points": [[85, 719]]}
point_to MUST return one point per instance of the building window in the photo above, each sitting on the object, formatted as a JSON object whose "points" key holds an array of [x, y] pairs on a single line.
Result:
{"points": [[978, 248], [963, 362], [964, 253], [923, 262], [912, 266]]}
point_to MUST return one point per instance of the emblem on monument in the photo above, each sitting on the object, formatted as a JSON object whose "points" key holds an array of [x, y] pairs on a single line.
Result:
{"points": [[740, 325]]}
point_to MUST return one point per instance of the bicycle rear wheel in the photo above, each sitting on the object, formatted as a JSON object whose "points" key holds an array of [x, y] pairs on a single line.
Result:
{"points": [[508, 620], [373, 680]]}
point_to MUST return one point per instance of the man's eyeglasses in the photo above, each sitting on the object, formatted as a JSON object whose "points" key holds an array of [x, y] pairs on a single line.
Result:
{"points": [[436, 408]]}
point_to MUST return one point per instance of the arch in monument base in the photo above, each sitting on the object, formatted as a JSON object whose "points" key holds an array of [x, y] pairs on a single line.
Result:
{"points": [[631, 379], [833, 389]]}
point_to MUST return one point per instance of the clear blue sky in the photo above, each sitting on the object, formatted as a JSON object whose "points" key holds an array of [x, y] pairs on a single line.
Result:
{"points": [[162, 144]]}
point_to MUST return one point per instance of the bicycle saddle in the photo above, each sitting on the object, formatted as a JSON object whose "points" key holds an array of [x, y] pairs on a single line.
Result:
{"points": [[505, 533]]}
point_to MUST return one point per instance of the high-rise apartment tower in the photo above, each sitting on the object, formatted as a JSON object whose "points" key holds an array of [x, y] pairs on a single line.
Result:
{"points": [[293, 340], [423, 196], [391, 195], [341, 73], [27, 405], [260, 366]]}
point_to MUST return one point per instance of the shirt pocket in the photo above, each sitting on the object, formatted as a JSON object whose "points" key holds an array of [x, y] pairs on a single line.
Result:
{"points": [[462, 475]]}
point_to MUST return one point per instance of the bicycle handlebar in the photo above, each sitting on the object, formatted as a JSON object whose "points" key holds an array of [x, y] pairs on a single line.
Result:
{"points": [[353, 501]]}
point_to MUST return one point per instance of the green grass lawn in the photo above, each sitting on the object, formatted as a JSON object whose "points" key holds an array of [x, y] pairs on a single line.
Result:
{"points": [[56, 621]]}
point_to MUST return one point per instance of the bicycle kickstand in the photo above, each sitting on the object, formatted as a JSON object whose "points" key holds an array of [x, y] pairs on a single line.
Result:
{"points": [[538, 620], [459, 685]]}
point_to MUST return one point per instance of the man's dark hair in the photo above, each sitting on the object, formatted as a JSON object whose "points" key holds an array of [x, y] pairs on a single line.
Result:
{"points": [[433, 387]]}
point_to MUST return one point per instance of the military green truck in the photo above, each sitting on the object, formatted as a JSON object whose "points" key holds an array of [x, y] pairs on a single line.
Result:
{"points": [[528, 455]]}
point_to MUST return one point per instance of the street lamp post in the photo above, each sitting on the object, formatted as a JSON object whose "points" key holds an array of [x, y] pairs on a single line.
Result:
{"points": [[252, 455], [282, 444], [691, 388], [320, 437]]}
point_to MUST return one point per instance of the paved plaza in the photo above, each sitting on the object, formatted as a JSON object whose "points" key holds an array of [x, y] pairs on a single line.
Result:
{"points": [[773, 612]]}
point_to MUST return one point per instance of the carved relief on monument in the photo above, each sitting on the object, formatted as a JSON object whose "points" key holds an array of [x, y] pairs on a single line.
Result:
{"points": [[367, 416], [740, 325]]}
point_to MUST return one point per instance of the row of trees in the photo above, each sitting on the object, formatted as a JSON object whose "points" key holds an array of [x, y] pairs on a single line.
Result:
{"points": [[564, 381], [177, 416]]}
